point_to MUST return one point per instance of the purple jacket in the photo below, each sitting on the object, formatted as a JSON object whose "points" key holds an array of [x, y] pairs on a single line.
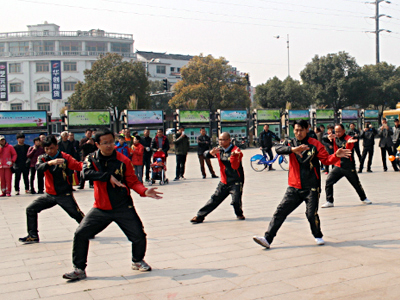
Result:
{"points": [[33, 154]]}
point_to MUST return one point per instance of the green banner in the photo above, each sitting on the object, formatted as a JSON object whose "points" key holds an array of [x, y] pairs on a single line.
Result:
{"points": [[194, 116], [85, 118], [325, 114], [268, 114]]}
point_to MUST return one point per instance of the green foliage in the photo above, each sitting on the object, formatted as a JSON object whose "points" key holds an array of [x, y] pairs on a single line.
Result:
{"points": [[208, 84], [160, 101], [110, 83]]}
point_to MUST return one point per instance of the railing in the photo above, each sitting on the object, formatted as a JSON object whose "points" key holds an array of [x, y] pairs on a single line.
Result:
{"points": [[63, 53], [83, 34]]}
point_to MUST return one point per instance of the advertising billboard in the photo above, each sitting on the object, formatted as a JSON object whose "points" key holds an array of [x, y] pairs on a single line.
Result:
{"points": [[233, 115], [145, 117], [275, 128], [86, 118], [235, 131], [56, 79], [299, 114], [268, 114], [349, 114], [371, 114], [194, 116], [23, 119], [3, 81], [325, 114], [193, 133]]}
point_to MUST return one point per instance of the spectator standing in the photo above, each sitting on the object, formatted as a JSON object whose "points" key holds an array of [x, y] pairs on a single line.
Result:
{"points": [[21, 165], [328, 144], [203, 145], [128, 137], [160, 143], [137, 157], [33, 153], [122, 147], [7, 158], [396, 135], [66, 145], [355, 133], [181, 142], [146, 142], [266, 143], [75, 144], [386, 144], [368, 138], [87, 146]]}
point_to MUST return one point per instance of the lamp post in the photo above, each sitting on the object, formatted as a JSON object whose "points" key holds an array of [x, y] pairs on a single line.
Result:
{"points": [[288, 56]]}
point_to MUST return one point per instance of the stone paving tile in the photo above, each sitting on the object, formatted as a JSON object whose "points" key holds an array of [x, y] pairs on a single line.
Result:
{"points": [[218, 258]]}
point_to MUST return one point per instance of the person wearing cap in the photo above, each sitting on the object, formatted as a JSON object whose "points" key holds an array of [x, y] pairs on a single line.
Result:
{"points": [[386, 143], [21, 165], [396, 135], [8, 156]]}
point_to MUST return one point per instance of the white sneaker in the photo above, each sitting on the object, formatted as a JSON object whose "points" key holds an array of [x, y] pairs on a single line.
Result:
{"points": [[327, 204], [320, 241], [366, 201], [261, 241]]}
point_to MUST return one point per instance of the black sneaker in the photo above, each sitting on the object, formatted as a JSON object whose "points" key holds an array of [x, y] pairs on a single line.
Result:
{"points": [[176, 179], [370, 171], [16, 193], [214, 176], [33, 192], [40, 192], [360, 171], [29, 239], [204, 177], [75, 274]]}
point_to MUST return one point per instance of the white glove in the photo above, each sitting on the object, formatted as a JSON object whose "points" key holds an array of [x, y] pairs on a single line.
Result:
{"points": [[148, 149], [9, 163]]}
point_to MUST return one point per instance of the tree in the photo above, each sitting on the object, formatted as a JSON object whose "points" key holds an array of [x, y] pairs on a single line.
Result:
{"points": [[281, 94], [207, 83], [159, 99], [329, 80], [110, 84]]}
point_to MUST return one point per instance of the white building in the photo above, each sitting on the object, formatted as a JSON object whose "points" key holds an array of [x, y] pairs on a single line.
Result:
{"points": [[28, 55]]}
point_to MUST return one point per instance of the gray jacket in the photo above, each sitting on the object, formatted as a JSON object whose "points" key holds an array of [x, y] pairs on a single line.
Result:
{"points": [[396, 135], [181, 144], [385, 137]]}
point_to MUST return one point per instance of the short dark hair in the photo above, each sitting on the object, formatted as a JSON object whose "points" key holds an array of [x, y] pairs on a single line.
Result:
{"points": [[318, 130], [352, 124], [383, 119], [101, 133], [341, 125], [181, 126], [137, 137], [331, 127], [36, 139], [322, 126], [20, 135], [88, 129], [50, 140], [302, 123], [202, 128], [160, 129], [396, 120]]}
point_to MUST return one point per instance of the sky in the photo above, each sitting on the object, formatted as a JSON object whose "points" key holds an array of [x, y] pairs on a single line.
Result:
{"points": [[244, 32]]}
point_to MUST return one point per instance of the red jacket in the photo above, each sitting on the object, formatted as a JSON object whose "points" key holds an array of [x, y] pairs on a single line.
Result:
{"points": [[8, 156], [345, 163], [137, 154]]}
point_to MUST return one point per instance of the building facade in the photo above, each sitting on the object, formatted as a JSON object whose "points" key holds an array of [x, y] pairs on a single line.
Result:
{"points": [[29, 56]]}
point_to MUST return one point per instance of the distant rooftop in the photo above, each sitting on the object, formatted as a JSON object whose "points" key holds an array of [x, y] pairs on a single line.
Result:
{"points": [[155, 55]]}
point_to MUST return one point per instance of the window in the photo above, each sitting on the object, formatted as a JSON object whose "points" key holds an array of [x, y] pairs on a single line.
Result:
{"points": [[69, 66], [2, 47], [15, 87], [172, 69], [43, 106], [19, 47], [40, 46], [160, 70], [96, 46], [179, 69], [16, 106], [70, 46], [14, 68], [42, 67], [69, 85], [120, 47], [43, 87]]}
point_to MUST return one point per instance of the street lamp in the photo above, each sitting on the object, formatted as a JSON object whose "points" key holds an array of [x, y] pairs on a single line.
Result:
{"points": [[288, 62]]}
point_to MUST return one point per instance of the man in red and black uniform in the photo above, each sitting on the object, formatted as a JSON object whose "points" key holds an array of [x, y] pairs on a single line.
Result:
{"points": [[232, 178], [58, 168], [113, 176], [305, 153], [345, 167]]}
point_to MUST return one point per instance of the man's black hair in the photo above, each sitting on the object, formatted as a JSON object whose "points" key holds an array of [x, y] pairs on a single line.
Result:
{"points": [[203, 128], [396, 120], [181, 126], [302, 123], [101, 133], [36, 139], [88, 129], [322, 126], [20, 135], [352, 124], [341, 125], [160, 129], [137, 137], [50, 140]]}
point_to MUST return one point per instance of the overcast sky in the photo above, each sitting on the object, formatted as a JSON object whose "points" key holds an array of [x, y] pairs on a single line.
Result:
{"points": [[241, 31]]}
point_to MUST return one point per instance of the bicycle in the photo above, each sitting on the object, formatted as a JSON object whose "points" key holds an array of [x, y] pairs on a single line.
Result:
{"points": [[260, 162]]}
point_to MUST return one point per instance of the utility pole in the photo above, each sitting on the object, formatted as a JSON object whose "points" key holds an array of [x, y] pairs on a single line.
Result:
{"points": [[377, 29], [287, 46]]}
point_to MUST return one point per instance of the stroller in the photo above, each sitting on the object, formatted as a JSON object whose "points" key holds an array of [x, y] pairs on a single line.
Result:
{"points": [[158, 168]]}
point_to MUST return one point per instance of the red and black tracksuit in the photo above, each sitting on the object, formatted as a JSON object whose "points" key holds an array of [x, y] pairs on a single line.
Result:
{"points": [[58, 183], [304, 184], [345, 167], [232, 180], [112, 204]]}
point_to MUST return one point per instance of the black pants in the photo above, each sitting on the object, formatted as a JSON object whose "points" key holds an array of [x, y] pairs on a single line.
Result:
{"points": [[97, 220], [357, 150], [66, 201], [25, 174], [180, 165], [335, 175], [268, 151], [390, 151], [40, 178], [82, 183], [291, 200], [202, 159], [220, 194], [147, 163], [370, 152]]}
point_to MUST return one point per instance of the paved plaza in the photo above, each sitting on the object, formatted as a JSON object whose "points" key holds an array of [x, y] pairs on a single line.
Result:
{"points": [[216, 259]]}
